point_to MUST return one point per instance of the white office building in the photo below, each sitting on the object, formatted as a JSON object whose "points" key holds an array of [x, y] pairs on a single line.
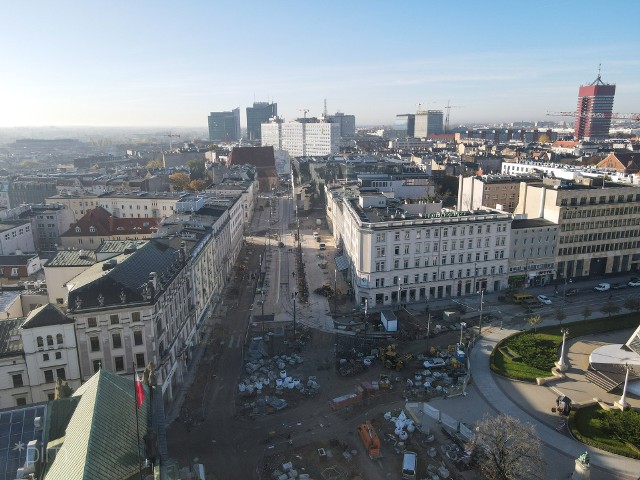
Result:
{"points": [[302, 138]]}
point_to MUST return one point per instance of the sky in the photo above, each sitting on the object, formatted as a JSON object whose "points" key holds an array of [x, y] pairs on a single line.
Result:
{"points": [[169, 63]]}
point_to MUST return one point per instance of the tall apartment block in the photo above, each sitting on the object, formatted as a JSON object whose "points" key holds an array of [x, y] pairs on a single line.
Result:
{"points": [[347, 124], [593, 115], [224, 126], [260, 113], [428, 122], [310, 137]]}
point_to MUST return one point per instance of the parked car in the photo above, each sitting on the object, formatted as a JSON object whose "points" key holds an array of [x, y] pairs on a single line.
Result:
{"points": [[602, 287], [434, 363], [619, 286], [572, 292], [544, 299], [634, 282]]}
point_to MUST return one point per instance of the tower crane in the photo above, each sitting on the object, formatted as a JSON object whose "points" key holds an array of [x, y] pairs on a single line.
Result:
{"points": [[448, 108], [304, 112], [613, 116], [171, 135]]}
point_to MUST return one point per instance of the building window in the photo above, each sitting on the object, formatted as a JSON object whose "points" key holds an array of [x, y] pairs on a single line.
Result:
{"points": [[58, 355], [17, 380], [119, 361], [45, 357], [117, 340], [96, 365], [140, 360], [49, 340], [137, 337], [21, 401], [115, 320], [48, 376], [95, 343], [60, 373], [59, 339], [51, 396], [92, 322], [40, 342]]}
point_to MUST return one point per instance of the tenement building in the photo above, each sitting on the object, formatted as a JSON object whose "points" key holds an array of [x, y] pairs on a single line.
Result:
{"points": [[136, 308], [598, 228], [413, 252]]}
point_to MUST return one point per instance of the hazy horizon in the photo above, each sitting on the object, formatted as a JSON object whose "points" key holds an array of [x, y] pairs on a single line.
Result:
{"points": [[151, 65]]}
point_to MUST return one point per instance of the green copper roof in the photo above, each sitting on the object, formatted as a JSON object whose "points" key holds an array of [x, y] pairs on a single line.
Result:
{"points": [[100, 440]]}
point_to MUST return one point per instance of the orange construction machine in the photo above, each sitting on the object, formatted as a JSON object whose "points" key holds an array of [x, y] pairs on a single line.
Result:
{"points": [[370, 439]]}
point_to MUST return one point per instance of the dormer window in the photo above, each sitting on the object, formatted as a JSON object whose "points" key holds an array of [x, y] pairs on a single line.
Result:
{"points": [[92, 229], [78, 230]]}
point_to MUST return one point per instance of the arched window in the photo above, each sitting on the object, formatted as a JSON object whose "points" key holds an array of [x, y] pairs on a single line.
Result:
{"points": [[59, 339], [40, 342], [49, 340]]}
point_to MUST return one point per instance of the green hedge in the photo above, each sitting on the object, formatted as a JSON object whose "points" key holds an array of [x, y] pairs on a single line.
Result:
{"points": [[539, 351], [588, 425]]}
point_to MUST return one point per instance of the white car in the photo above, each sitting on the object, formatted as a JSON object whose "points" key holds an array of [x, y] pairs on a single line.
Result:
{"points": [[544, 299], [602, 287], [634, 282]]}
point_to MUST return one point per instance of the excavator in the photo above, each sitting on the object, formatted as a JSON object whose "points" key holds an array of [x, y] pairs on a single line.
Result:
{"points": [[391, 359]]}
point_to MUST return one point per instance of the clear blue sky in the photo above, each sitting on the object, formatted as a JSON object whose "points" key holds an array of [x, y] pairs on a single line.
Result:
{"points": [[169, 63]]}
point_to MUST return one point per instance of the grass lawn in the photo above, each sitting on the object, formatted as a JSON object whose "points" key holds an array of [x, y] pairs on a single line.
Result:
{"points": [[528, 355], [587, 426]]}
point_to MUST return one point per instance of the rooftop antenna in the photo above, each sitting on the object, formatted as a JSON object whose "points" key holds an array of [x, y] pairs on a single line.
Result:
{"points": [[325, 108]]}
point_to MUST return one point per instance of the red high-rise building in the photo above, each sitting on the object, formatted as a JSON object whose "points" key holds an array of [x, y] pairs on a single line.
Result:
{"points": [[593, 115]]}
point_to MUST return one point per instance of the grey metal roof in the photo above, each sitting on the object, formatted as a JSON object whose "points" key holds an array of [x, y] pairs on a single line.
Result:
{"points": [[129, 274], [45, 316], [10, 340], [532, 223], [72, 258]]}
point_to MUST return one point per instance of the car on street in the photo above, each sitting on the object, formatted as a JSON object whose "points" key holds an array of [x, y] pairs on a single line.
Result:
{"points": [[619, 286], [572, 292], [544, 299], [602, 287], [634, 282]]}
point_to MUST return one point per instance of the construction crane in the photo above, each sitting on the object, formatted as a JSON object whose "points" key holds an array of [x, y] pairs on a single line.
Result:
{"points": [[448, 108], [613, 116], [304, 112], [171, 135]]}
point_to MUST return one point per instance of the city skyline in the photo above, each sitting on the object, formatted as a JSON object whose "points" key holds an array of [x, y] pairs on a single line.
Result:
{"points": [[150, 64]]}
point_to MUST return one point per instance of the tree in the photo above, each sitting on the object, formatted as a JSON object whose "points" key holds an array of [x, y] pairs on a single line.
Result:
{"points": [[586, 312], [197, 169], [632, 303], [559, 314], [507, 449], [152, 164], [534, 320], [609, 308], [198, 185], [179, 181]]}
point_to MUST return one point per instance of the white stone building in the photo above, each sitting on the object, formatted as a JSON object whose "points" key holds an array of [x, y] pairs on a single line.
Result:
{"points": [[417, 252]]}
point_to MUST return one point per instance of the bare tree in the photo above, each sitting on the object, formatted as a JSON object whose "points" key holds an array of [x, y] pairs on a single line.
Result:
{"points": [[559, 314], [586, 312], [507, 449], [609, 308], [632, 303], [534, 320]]}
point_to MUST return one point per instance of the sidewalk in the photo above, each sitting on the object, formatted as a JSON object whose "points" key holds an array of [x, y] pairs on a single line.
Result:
{"points": [[541, 399]]}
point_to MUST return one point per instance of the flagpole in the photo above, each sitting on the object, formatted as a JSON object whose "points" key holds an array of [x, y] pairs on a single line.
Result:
{"points": [[135, 401]]}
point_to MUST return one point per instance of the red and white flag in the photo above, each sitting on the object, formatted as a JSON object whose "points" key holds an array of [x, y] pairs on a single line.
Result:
{"points": [[139, 392]]}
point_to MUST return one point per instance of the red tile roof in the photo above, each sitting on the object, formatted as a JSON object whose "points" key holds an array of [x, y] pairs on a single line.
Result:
{"points": [[100, 223]]}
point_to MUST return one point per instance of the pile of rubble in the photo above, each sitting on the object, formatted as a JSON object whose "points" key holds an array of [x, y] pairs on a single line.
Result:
{"points": [[270, 376], [288, 472]]}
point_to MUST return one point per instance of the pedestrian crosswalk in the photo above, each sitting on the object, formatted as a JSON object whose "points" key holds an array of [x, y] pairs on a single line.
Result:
{"points": [[234, 341]]}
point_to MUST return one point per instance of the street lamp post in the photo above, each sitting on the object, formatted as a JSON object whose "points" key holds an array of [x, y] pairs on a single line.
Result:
{"points": [[481, 307], [262, 303], [428, 331], [622, 403], [335, 292], [462, 325], [294, 295], [562, 364]]}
